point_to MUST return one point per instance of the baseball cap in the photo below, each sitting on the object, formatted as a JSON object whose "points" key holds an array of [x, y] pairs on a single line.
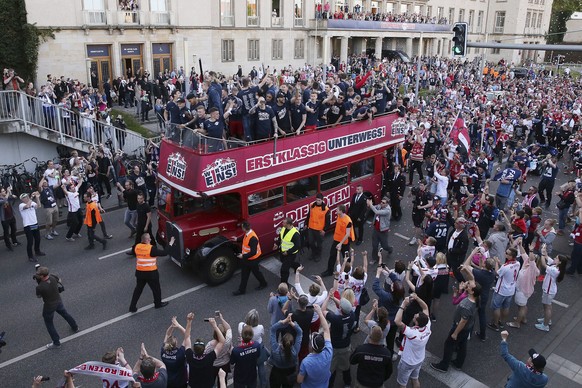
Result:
{"points": [[317, 342], [345, 306], [538, 361], [179, 100], [281, 94]]}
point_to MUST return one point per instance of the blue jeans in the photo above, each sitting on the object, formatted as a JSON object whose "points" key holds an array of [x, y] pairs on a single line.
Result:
{"points": [[562, 217], [130, 218], [48, 315]]}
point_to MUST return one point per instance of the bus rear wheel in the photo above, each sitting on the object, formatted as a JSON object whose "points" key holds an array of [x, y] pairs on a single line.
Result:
{"points": [[219, 266]]}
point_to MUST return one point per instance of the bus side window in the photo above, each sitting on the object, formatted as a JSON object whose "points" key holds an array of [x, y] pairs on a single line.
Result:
{"points": [[265, 200], [362, 168], [301, 188], [336, 178]]}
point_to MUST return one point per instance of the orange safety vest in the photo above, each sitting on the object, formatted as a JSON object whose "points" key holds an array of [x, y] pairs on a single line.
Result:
{"points": [[245, 245], [485, 70], [317, 217], [145, 261], [340, 229], [88, 220]]}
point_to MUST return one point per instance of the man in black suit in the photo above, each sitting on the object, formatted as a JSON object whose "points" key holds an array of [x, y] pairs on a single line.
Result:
{"points": [[395, 185], [357, 212], [457, 246]]}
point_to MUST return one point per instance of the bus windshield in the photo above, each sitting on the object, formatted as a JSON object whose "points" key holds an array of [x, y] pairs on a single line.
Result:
{"points": [[174, 203]]}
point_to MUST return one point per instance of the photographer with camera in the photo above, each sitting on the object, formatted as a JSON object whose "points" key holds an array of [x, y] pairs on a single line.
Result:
{"points": [[49, 288], [31, 229]]}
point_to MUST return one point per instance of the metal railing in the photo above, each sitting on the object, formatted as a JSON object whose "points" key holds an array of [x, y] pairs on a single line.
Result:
{"points": [[128, 17], [94, 17], [298, 22], [61, 125], [160, 18], [227, 20], [252, 21]]}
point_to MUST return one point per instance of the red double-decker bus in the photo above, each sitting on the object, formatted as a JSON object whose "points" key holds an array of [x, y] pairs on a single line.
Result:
{"points": [[204, 197]]}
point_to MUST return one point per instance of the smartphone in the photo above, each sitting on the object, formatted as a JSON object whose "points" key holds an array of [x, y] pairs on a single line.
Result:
{"points": [[217, 313], [206, 319], [383, 265], [45, 378], [380, 250]]}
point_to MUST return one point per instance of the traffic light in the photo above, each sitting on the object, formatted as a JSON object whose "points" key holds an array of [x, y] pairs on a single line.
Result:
{"points": [[460, 39]]}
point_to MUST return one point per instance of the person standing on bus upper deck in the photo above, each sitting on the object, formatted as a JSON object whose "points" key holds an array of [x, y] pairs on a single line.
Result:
{"points": [[250, 252], [336, 111], [317, 221], [298, 114], [264, 120], [214, 127], [357, 212], [282, 113], [344, 233], [288, 243], [312, 109]]}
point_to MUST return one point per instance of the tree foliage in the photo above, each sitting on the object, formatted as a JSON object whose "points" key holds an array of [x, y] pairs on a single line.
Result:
{"points": [[562, 10], [21, 40]]}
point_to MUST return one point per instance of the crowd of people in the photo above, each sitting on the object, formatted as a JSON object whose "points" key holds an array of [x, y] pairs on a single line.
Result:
{"points": [[464, 232], [324, 11]]}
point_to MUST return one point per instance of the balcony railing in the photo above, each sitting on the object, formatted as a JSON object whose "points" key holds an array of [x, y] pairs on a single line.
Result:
{"points": [[299, 22], [276, 21], [227, 21], [252, 21], [128, 17], [94, 17], [160, 18]]}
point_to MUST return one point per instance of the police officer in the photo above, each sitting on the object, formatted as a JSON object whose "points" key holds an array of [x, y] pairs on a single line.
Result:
{"points": [[146, 271], [251, 251], [317, 221], [344, 233], [289, 242]]}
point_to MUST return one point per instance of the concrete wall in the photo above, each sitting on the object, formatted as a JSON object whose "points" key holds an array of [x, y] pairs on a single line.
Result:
{"points": [[17, 147]]}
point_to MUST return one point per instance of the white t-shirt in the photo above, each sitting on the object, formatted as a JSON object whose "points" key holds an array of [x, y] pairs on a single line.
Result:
{"points": [[414, 344], [341, 280], [73, 200], [28, 215], [357, 285], [318, 299], [258, 332], [442, 184], [51, 180], [507, 278], [549, 285]]}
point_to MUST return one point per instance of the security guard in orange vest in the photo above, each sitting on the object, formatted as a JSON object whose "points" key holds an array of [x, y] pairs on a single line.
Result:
{"points": [[317, 221], [92, 219], [146, 271], [344, 233], [250, 252], [288, 244]]}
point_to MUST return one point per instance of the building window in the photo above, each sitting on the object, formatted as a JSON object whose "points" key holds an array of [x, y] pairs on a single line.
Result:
{"points": [[227, 52], [479, 21], [496, 50], [252, 13], [94, 12], [265, 200], [540, 20], [361, 169], [276, 13], [389, 7], [277, 49], [440, 12], [253, 49], [298, 13], [160, 14], [527, 19], [227, 12], [332, 179], [299, 51], [403, 8], [471, 20], [499, 22], [451, 15], [533, 19], [300, 189], [461, 15], [429, 11]]}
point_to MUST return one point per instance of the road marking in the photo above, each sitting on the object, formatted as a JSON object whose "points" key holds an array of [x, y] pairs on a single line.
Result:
{"points": [[402, 236], [113, 254], [564, 305], [99, 326]]}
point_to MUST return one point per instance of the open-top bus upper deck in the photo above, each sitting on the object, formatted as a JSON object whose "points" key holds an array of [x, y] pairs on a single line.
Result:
{"points": [[195, 172]]}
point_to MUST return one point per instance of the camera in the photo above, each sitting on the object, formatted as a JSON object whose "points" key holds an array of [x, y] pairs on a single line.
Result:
{"points": [[35, 276]]}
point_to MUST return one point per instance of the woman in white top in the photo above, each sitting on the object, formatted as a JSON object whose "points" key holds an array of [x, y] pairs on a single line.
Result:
{"points": [[314, 297], [555, 271], [357, 283]]}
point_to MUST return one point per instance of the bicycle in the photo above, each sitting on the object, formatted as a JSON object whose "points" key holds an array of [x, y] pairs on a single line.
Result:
{"points": [[135, 159]]}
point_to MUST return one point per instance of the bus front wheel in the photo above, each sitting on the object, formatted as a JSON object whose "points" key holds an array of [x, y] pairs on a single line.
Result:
{"points": [[219, 266]]}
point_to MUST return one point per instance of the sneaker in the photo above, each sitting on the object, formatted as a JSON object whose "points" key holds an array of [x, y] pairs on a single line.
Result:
{"points": [[17, 243], [501, 325], [432, 317], [49, 237], [394, 356], [55, 233], [109, 236], [75, 330], [571, 244], [108, 196], [493, 326], [33, 260], [77, 235], [412, 241], [541, 320], [69, 239], [52, 346], [438, 367], [542, 327]]}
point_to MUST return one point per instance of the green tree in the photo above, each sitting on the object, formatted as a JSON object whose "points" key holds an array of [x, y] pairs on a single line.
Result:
{"points": [[562, 10], [20, 39]]}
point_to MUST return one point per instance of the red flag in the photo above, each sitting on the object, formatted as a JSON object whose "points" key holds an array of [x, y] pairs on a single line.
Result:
{"points": [[460, 134]]}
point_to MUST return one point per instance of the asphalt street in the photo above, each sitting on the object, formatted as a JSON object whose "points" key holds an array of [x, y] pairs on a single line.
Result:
{"points": [[99, 285]]}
